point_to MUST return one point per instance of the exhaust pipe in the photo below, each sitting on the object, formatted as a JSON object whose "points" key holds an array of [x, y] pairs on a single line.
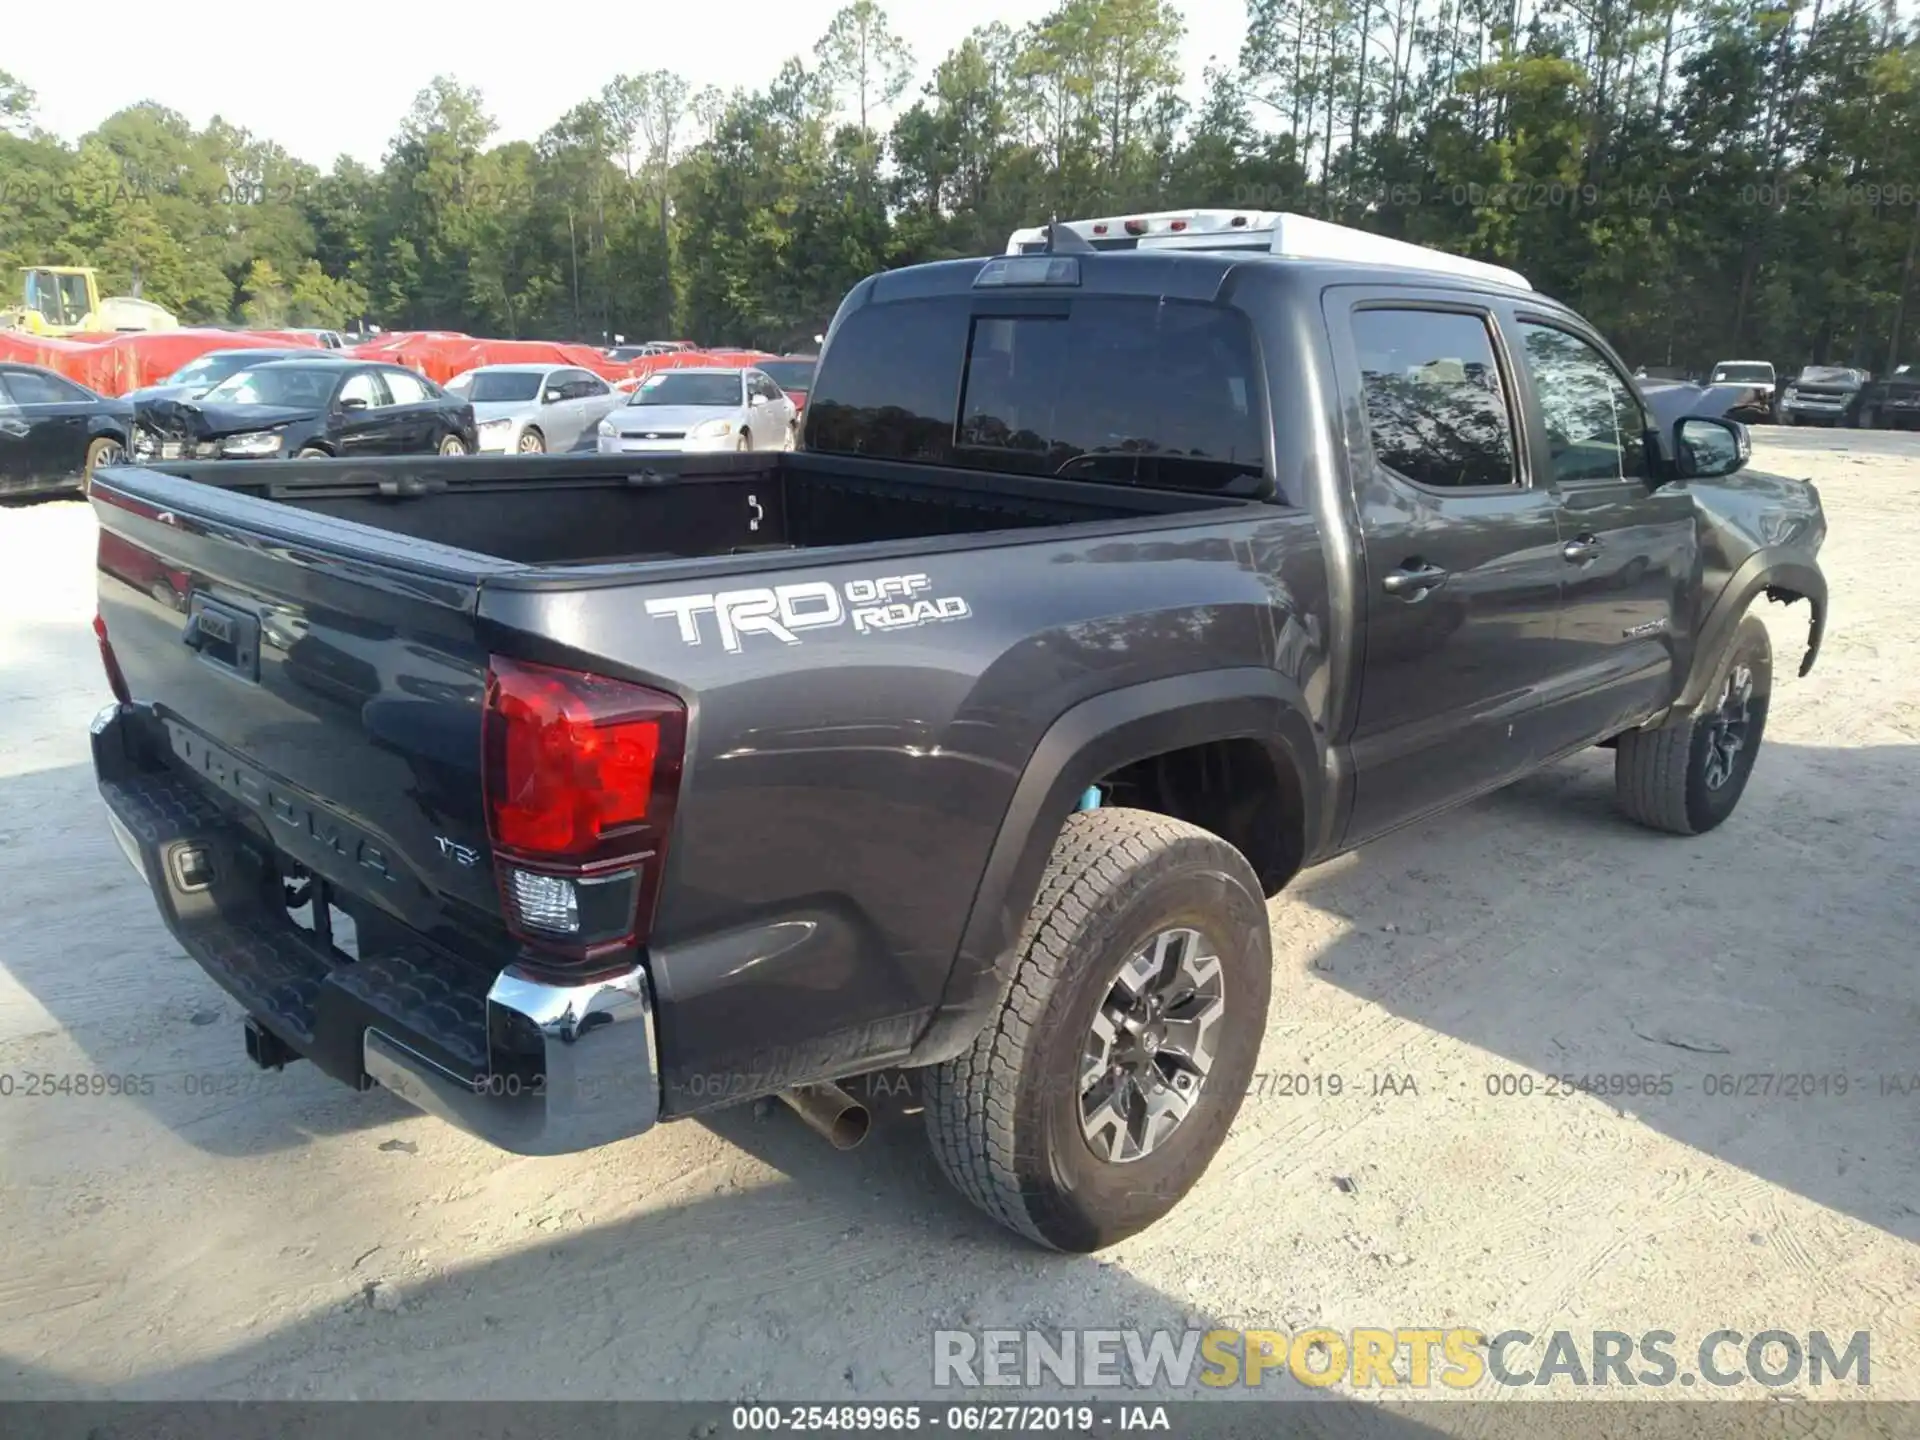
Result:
{"points": [[828, 1109]]}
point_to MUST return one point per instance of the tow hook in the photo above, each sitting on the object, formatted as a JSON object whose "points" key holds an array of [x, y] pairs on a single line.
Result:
{"points": [[266, 1049]]}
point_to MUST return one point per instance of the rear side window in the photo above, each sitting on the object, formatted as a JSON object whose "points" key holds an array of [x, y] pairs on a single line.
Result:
{"points": [[1436, 409], [406, 388], [1125, 390]]}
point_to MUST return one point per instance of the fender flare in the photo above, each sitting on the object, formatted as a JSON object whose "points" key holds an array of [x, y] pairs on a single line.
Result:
{"points": [[1765, 570], [1095, 738]]}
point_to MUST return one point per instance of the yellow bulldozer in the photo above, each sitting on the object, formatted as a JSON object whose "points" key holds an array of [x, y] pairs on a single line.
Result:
{"points": [[65, 300]]}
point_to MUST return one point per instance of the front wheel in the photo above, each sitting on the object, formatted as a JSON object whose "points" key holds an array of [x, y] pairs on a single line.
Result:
{"points": [[746, 441], [1101, 1089], [453, 445], [1868, 419], [531, 442], [1687, 776]]}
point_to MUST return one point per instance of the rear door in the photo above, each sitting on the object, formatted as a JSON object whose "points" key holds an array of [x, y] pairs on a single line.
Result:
{"points": [[414, 414], [16, 441], [1461, 570], [1629, 546]]}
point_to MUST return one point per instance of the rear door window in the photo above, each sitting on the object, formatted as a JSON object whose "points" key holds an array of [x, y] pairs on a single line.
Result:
{"points": [[1121, 389], [1436, 409]]}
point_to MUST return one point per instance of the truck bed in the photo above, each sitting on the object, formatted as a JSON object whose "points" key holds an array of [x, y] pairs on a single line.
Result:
{"points": [[610, 510]]}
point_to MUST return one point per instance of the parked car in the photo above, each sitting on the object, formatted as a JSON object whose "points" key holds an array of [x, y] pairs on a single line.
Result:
{"points": [[1892, 403], [701, 408], [308, 409], [203, 372], [54, 433], [531, 409], [1824, 395], [794, 375], [973, 737], [1758, 403]]}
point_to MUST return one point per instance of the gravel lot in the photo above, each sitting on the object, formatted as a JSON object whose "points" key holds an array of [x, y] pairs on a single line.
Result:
{"points": [[242, 1235]]}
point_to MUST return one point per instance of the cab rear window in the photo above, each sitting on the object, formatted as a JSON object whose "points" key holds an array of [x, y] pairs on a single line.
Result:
{"points": [[1123, 390]]}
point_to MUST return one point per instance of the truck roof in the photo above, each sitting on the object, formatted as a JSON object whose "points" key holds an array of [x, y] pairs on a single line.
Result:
{"points": [[1265, 232], [1175, 274]]}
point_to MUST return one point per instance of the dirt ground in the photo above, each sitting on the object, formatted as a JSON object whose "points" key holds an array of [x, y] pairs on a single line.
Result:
{"points": [[242, 1235]]}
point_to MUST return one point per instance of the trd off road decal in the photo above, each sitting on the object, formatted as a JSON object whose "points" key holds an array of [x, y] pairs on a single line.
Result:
{"points": [[892, 602]]}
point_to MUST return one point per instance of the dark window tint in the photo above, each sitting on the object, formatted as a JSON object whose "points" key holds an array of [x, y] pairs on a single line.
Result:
{"points": [[1595, 427], [1123, 390], [1131, 391], [887, 383], [1435, 407], [32, 389]]}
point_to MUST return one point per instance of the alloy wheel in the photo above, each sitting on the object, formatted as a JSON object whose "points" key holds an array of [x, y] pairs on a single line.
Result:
{"points": [[1150, 1046]]}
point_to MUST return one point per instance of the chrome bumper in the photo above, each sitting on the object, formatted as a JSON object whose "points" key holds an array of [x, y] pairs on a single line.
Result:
{"points": [[598, 1080]]}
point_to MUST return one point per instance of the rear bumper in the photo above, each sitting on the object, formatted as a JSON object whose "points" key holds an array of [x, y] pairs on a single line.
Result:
{"points": [[534, 1067]]}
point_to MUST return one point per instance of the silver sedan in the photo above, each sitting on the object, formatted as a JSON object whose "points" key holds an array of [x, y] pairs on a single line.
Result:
{"points": [[710, 408], [530, 409]]}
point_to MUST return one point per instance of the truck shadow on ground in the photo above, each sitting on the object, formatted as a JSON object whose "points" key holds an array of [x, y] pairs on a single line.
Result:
{"points": [[827, 1284], [1761, 974]]}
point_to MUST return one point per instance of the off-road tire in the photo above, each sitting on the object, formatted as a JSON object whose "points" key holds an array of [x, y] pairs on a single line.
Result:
{"points": [[1660, 775], [1004, 1117]]}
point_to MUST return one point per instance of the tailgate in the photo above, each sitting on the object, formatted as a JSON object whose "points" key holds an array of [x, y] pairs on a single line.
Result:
{"points": [[323, 680]]}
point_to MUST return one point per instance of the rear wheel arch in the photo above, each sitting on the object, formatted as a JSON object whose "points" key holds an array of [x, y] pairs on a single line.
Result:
{"points": [[1163, 741]]}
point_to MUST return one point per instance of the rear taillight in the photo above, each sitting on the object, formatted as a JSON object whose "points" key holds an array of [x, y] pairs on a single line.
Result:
{"points": [[582, 774], [115, 680]]}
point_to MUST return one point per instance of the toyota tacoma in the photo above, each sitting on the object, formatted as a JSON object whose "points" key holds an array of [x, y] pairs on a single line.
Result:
{"points": [[1116, 579]]}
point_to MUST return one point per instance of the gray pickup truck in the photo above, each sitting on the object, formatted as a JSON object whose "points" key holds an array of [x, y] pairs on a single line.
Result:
{"points": [[1111, 586]]}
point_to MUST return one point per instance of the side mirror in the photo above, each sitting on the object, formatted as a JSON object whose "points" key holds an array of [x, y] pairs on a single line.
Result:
{"points": [[758, 399], [552, 397], [352, 404], [1707, 447]]}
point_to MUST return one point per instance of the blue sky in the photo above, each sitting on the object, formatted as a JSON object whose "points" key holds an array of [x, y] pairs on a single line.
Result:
{"points": [[337, 79]]}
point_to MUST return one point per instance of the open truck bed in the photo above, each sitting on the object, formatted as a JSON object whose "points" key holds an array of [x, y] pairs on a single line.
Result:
{"points": [[621, 510]]}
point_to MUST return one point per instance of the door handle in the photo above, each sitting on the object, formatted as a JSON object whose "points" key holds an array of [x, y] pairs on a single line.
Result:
{"points": [[1578, 552], [1412, 582]]}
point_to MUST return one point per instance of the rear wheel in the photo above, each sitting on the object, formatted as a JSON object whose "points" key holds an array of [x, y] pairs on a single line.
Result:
{"points": [[1869, 418], [1104, 1085], [1687, 776], [453, 445], [103, 451]]}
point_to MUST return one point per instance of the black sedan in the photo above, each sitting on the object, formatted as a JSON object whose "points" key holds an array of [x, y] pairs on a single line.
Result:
{"points": [[53, 433], [203, 372], [308, 409]]}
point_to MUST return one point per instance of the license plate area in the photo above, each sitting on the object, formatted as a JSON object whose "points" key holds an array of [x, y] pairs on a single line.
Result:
{"points": [[225, 638]]}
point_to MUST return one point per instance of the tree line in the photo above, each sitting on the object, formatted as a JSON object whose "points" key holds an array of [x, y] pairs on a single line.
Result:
{"points": [[1702, 178]]}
